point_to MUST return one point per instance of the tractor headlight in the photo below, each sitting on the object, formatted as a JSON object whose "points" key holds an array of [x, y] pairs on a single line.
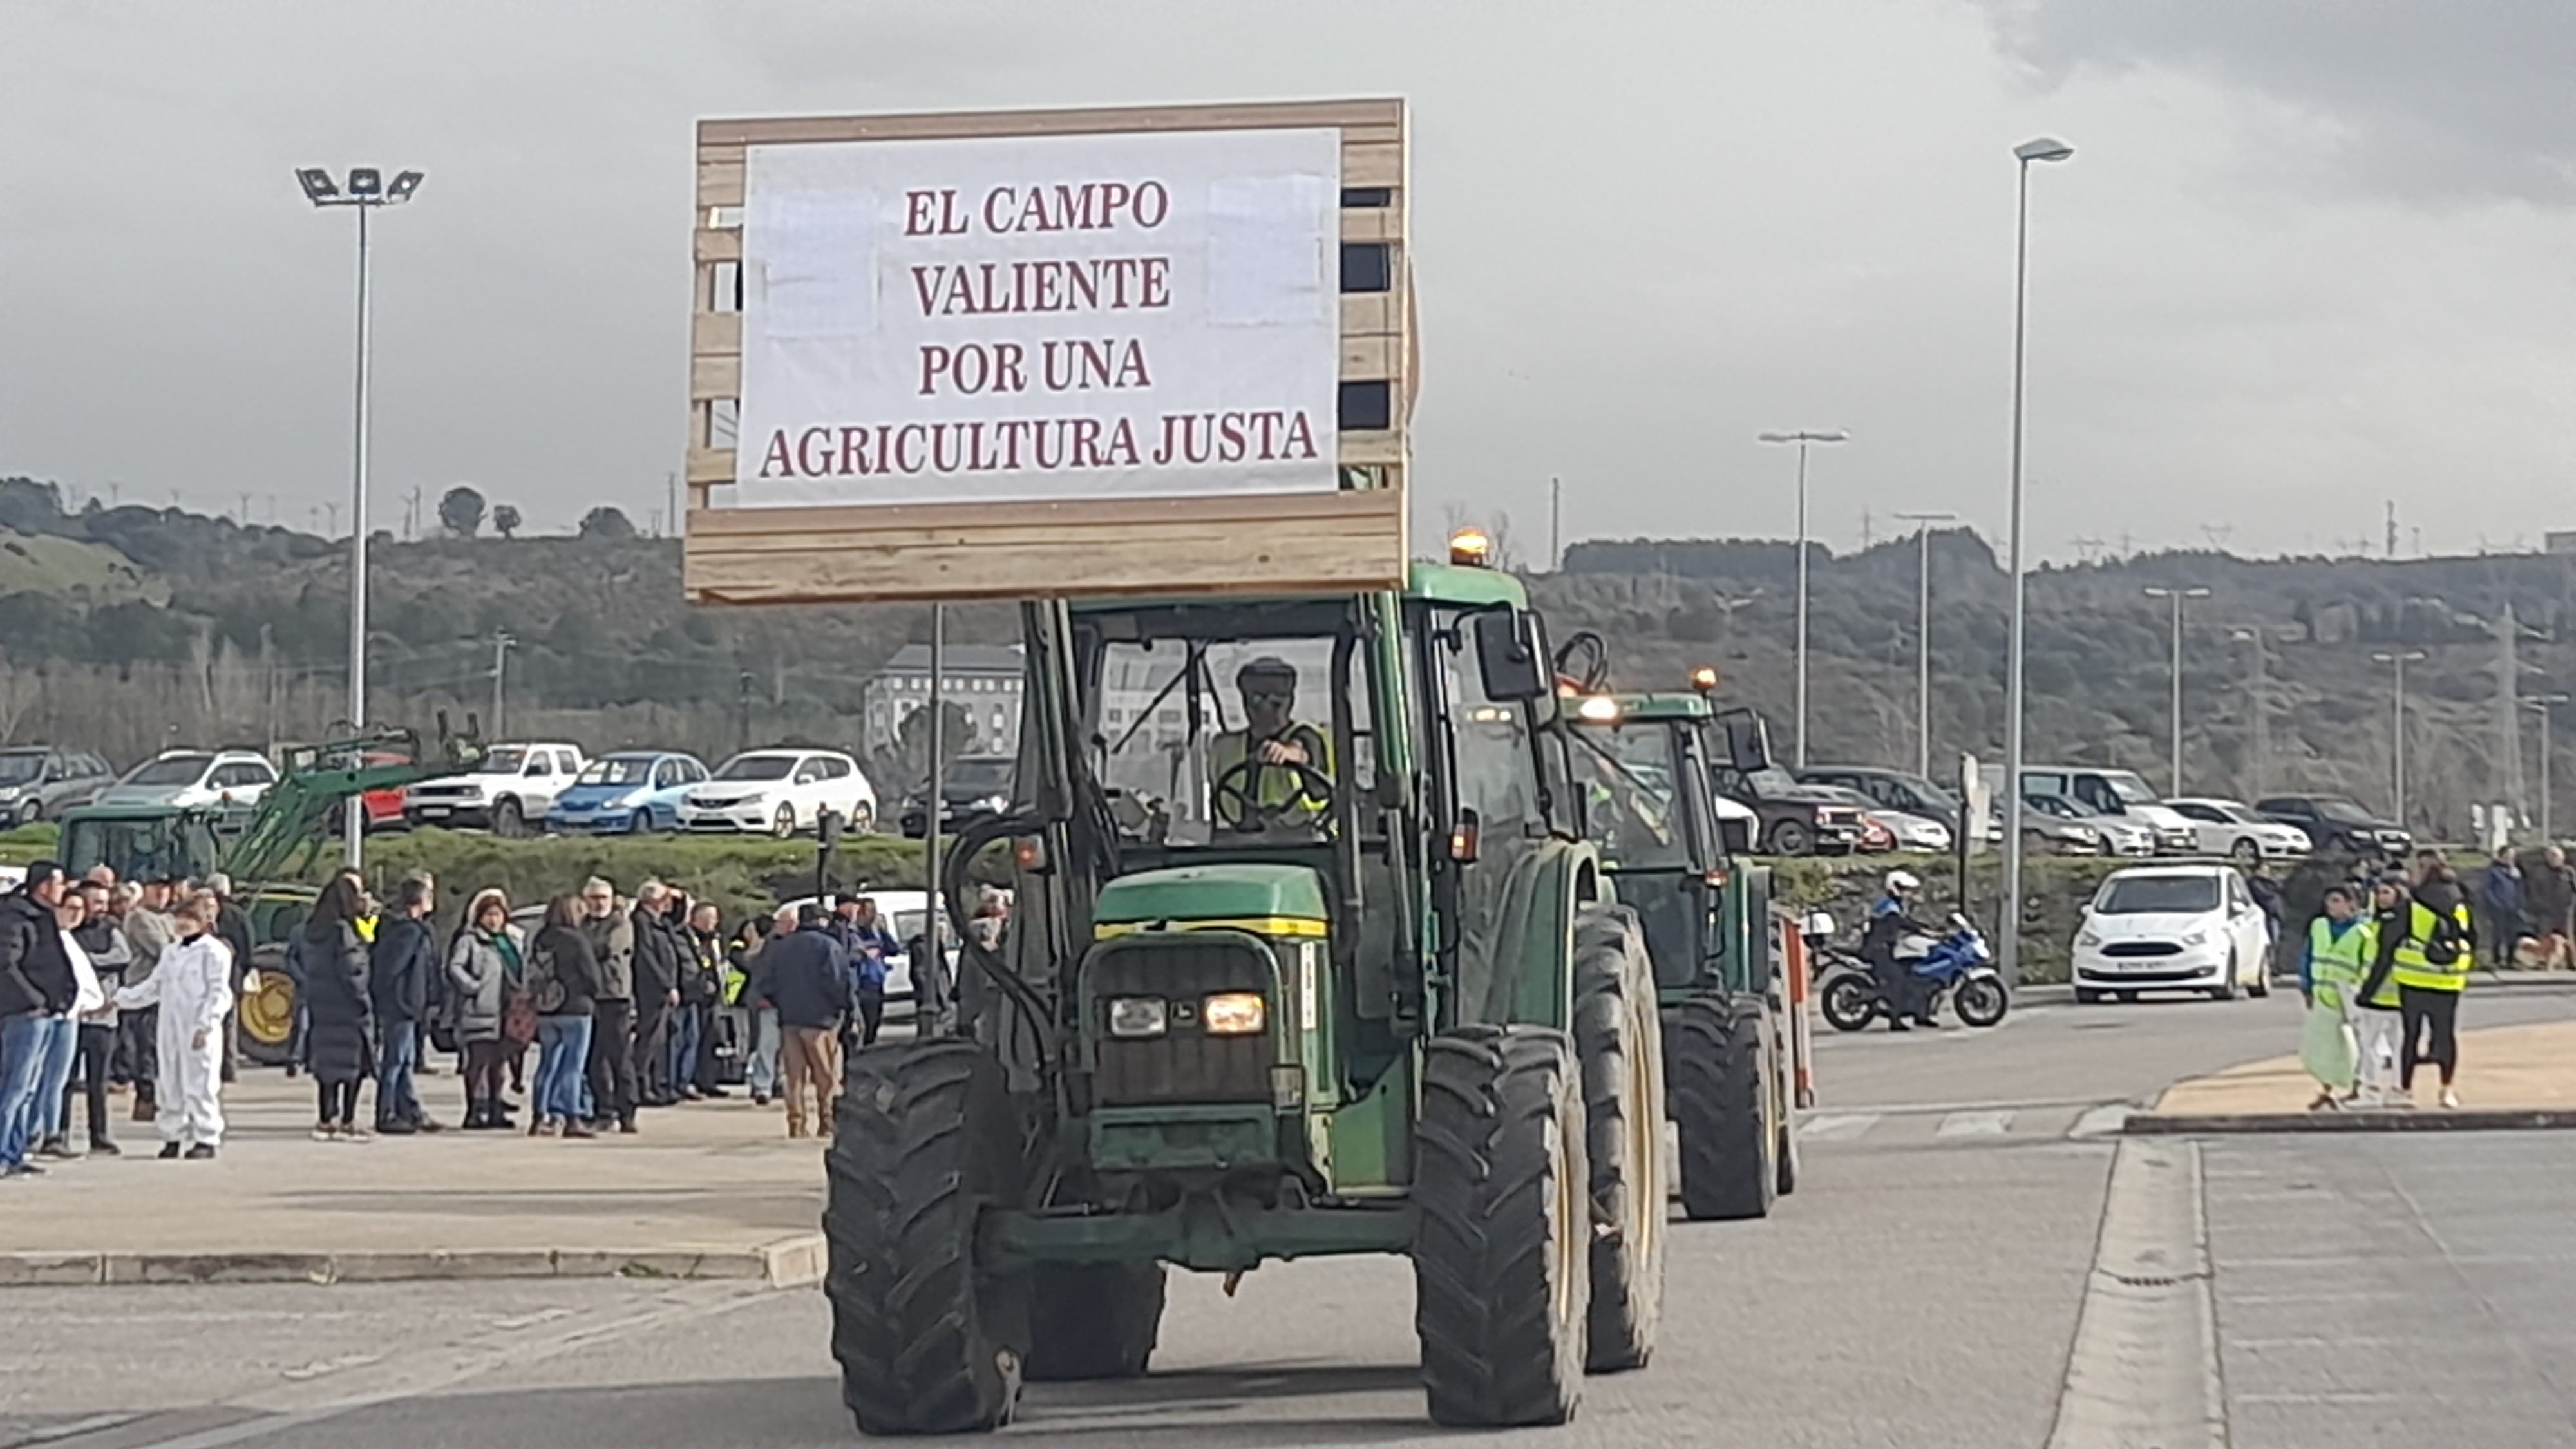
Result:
{"points": [[1234, 1013], [1138, 1016]]}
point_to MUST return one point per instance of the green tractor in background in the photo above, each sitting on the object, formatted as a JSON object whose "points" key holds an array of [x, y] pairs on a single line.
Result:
{"points": [[271, 851], [1310, 955], [1644, 760]]}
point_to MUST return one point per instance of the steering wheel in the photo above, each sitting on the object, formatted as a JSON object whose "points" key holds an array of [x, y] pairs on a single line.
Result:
{"points": [[1231, 795]]}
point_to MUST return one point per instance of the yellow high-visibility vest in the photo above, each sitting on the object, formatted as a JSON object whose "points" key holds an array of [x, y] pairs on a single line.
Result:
{"points": [[2337, 967], [2410, 967], [1277, 789]]}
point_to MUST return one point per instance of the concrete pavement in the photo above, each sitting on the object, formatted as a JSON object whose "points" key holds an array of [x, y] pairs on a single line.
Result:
{"points": [[2509, 1076], [709, 1189]]}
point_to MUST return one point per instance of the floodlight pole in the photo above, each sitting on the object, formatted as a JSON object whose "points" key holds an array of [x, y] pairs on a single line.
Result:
{"points": [[366, 190]]}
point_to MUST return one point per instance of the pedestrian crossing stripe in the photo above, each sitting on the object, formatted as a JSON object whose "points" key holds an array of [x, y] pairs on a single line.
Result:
{"points": [[1965, 1123]]}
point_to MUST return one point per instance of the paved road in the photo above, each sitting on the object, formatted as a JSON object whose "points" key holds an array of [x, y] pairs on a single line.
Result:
{"points": [[1922, 1290]]}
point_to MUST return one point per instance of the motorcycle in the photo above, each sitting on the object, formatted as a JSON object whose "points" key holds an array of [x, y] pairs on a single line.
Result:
{"points": [[1957, 965]]}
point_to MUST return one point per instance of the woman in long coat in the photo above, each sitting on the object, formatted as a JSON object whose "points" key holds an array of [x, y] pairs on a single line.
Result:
{"points": [[331, 952]]}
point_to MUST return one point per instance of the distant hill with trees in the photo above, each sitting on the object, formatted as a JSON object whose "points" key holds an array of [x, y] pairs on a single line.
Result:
{"points": [[130, 628]]}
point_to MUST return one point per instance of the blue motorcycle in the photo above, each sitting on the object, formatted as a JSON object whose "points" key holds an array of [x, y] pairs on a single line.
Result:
{"points": [[1957, 965]]}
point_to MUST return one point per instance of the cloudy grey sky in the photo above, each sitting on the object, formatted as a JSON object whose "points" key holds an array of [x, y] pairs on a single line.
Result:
{"points": [[2313, 254]]}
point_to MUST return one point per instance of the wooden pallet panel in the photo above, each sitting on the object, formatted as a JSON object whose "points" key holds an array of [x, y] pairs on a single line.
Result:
{"points": [[1293, 542]]}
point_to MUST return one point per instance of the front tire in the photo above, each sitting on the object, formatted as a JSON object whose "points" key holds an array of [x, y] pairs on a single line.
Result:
{"points": [[1620, 1044], [2227, 992], [1502, 1281], [921, 1145], [2246, 852], [1715, 1059], [1093, 1320], [508, 820], [1791, 838], [784, 826]]}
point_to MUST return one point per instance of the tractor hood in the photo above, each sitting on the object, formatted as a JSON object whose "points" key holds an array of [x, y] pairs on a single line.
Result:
{"points": [[1271, 900]]}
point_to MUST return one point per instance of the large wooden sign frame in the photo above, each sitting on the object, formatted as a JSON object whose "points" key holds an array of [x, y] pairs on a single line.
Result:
{"points": [[1310, 542]]}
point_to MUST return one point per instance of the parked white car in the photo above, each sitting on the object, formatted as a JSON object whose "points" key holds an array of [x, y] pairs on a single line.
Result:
{"points": [[513, 787], [2229, 828], [2173, 928], [195, 780], [781, 791]]}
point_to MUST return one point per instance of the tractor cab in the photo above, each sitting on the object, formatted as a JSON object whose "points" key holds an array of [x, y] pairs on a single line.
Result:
{"points": [[1267, 939], [143, 842]]}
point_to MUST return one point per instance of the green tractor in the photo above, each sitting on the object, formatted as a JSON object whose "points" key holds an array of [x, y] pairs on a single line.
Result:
{"points": [[270, 851], [1310, 956], [1644, 759]]}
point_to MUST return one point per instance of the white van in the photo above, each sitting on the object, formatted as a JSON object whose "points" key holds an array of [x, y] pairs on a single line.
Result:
{"points": [[2106, 792]]}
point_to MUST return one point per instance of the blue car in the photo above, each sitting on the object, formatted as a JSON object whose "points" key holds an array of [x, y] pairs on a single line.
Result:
{"points": [[629, 792]]}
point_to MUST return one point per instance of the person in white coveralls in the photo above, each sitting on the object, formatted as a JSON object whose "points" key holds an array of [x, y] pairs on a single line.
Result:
{"points": [[193, 987]]}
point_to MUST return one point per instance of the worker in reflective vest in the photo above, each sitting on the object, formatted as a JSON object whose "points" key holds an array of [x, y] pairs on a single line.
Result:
{"points": [[2375, 1023], [2426, 956], [2341, 945], [1276, 772]]}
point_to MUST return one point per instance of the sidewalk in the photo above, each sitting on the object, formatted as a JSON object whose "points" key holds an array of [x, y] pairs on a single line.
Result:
{"points": [[2510, 1077], [705, 1190]]}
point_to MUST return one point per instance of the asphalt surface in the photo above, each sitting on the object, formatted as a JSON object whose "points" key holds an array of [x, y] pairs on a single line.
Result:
{"points": [[1922, 1289]]}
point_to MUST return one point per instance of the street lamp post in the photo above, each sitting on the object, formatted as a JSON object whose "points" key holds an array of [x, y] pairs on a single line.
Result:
{"points": [[2176, 596], [2397, 725], [366, 189], [2540, 704], [1802, 438], [1923, 635], [2044, 148]]}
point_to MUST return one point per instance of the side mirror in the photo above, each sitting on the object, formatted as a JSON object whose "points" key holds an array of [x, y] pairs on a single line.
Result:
{"points": [[1817, 926], [1507, 656]]}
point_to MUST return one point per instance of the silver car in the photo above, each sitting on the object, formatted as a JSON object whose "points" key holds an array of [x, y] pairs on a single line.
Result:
{"points": [[38, 782]]}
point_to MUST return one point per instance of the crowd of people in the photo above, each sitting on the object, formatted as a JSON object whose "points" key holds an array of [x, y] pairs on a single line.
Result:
{"points": [[629, 1003], [2386, 961]]}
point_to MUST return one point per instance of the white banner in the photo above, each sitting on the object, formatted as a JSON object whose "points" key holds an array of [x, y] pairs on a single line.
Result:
{"points": [[1148, 315]]}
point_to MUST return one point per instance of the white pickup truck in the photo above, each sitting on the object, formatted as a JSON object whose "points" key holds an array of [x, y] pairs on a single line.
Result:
{"points": [[508, 792]]}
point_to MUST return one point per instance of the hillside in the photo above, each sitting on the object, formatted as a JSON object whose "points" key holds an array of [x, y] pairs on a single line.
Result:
{"points": [[132, 627]]}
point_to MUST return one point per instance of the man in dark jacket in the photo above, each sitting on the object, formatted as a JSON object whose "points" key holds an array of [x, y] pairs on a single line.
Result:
{"points": [[2500, 915], [37, 990], [611, 933], [702, 965], [398, 971], [807, 977], [232, 927], [657, 992]]}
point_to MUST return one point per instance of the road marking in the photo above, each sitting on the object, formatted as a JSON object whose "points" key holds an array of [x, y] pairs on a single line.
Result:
{"points": [[1837, 1127], [2144, 1365], [1975, 1124], [1944, 1109]]}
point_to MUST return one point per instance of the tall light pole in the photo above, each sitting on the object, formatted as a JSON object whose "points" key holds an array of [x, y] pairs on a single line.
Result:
{"points": [[1923, 635], [2397, 726], [366, 190], [2176, 596], [2258, 697], [1803, 438], [2044, 148], [2540, 705]]}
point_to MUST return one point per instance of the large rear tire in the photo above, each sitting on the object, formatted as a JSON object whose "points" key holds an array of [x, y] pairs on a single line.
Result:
{"points": [[922, 1142], [1620, 1042], [1722, 1110], [1501, 1268], [1093, 1320]]}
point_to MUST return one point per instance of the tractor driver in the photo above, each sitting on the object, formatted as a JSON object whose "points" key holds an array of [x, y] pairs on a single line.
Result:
{"points": [[1276, 772]]}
